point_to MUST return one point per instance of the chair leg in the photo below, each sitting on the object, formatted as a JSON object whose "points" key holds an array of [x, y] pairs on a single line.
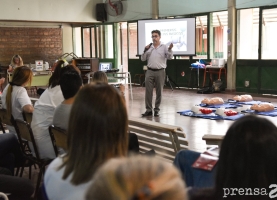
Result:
{"points": [[38, 181], [30, 172], [21, 171]]}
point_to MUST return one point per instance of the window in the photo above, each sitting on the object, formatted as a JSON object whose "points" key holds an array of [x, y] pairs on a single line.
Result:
{"points": [[93, 47], [133, 40], [104, 37], [77, 41], [86, 42], [219, 37], [247, 33], [201, 37], [269, 28]]}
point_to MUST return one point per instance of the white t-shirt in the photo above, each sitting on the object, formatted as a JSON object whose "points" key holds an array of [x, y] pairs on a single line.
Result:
{"points": [[43, 117], [58, 189], [19, 99], [51, 97]]}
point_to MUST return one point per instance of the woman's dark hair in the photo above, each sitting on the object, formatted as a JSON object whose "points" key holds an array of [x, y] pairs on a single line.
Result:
{"points": [[97, 131], [248, 157], [70, 83], [54, 80], [21, 75]]}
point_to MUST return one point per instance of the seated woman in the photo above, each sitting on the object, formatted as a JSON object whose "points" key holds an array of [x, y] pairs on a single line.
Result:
{"points": [[137, 177], [15, 97], [247, 164], [15, 62], [100, 76], [10, 157], [97, 131], [44, 111]]}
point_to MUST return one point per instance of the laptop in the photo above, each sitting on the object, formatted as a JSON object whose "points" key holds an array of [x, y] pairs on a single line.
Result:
{"points": [[105, 66]]}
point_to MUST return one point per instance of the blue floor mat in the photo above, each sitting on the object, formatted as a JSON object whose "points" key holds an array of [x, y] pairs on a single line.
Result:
{"points": [[212, 115], [272, 113]]}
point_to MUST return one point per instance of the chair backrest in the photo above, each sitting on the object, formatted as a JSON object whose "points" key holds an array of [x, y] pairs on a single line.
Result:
{"points": [[58, 137], [27, 117], [166, 140], [25, 132]]}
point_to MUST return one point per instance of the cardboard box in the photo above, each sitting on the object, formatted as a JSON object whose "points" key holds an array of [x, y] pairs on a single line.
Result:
{"points": [[39, 65], [218, 62]]}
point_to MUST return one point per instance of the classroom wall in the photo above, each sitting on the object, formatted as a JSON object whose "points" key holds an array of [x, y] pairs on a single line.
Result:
{"points": [[50, 10]]}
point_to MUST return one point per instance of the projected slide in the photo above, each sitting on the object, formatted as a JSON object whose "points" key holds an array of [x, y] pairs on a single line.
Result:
{"points": [[179, 31], [171, 32]]}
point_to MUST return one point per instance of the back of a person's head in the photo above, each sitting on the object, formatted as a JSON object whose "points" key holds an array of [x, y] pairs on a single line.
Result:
{"points": [[100, 76], [60, 69], [97, 130], [248, 156], [21, 75], [70, 83], [137, 178]]}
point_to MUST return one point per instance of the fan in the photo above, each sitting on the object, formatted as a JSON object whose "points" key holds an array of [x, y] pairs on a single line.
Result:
{"points": [[114, 7]]}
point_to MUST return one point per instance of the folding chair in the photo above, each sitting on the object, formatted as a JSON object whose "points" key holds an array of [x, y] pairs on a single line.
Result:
{"points": [[27, 117], [5, 119], [25, 132], [58, 138]]}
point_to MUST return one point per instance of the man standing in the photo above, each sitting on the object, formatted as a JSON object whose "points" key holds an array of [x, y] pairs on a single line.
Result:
{"points": [[156, 55]]}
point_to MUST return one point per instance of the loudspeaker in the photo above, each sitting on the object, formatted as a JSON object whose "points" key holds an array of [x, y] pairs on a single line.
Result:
{"points": [[101, 14]]}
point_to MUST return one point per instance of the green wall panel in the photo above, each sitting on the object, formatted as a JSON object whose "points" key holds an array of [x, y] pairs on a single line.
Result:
{"points": [[249, 73], [174, 69], [268, 78]]}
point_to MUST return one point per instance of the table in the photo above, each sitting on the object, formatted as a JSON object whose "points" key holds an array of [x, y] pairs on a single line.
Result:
{"points": [[126, 76], [40, 78], [214, 70]]}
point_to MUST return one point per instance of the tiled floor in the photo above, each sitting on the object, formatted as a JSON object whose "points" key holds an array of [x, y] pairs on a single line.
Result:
{"points": [[183, 99]]}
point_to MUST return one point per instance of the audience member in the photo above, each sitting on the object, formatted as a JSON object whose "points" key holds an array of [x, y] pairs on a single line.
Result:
{"points": [[15, 62], [97, 131], [10, 157], [138, 178], [133, 144], [194, 177], [100, 76], [44, 111], [15, 97], [247, 164], [70, 84]]}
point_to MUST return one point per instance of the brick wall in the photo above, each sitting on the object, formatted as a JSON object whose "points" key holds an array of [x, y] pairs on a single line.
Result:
{"points": [[30, 43]]}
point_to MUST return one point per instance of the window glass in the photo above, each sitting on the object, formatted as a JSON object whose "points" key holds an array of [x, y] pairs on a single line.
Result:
{"points": [[86, 42], [269, 28], [201, 37], [104, 37], [93, 47], [219, 34], [133, 40], [247, 33], [77, 41], [108, 41]]}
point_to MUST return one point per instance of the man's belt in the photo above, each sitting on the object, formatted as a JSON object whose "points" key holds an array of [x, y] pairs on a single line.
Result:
{"points": [[154, 69]]}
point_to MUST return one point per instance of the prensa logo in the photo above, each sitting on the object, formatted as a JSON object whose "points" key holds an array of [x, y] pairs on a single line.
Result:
{"points": [[251, 191]]}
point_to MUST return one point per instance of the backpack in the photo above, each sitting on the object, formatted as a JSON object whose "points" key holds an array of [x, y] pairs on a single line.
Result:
{"points": [[218, 86]]}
